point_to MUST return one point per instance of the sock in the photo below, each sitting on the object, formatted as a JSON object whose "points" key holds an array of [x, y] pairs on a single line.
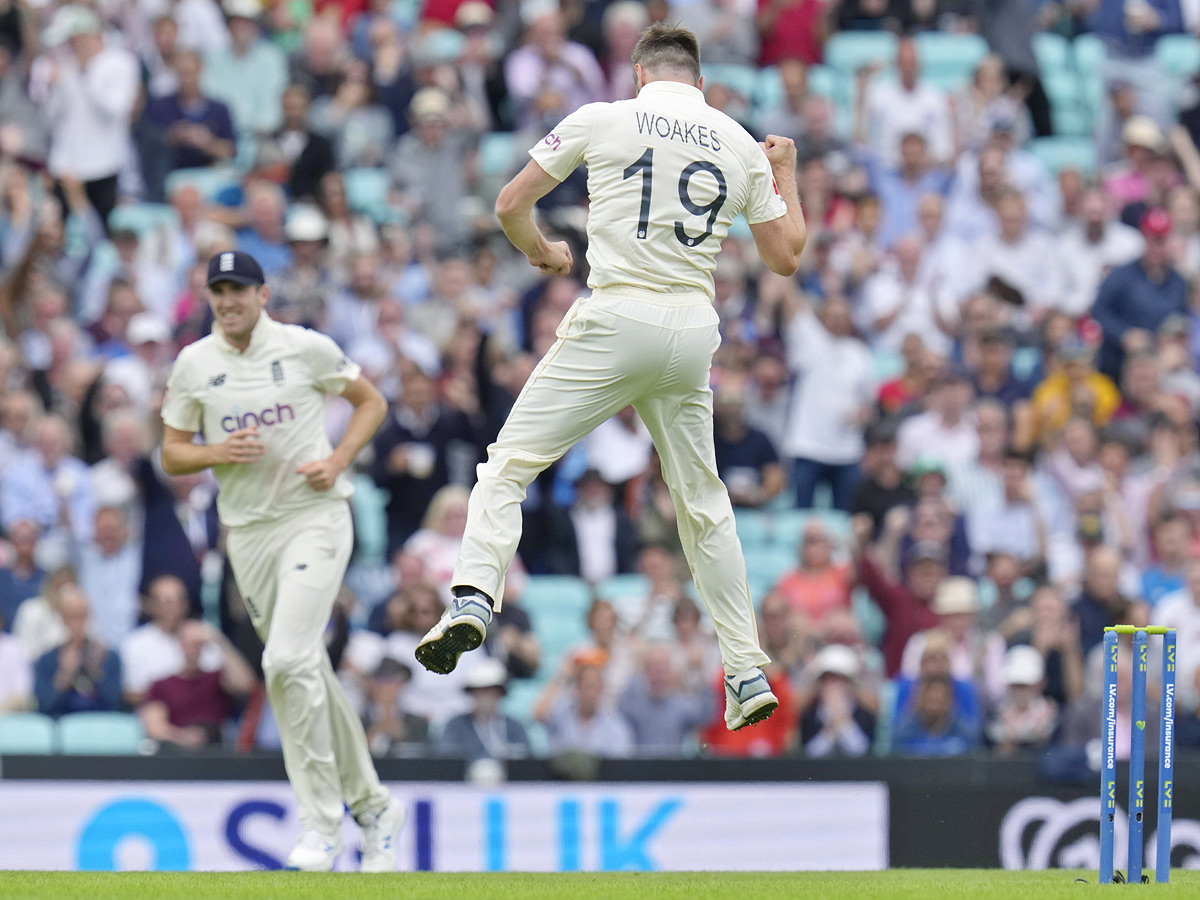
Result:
{"points": [[465, 590]]}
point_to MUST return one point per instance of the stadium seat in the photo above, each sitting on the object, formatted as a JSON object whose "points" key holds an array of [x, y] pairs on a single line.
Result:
{"points": [[848, 51], [870, 618], [768, 563], [142, 217], [739, 79], [1089, 55], [556, 596], [522, 695], [497, 153], [26, 732], [788, 527], [370, 520], [100, 733], [1179, 54], [1053, 52], [950, 56], [753, 527], [1059, 153], [886, 365], [885, 720], [367, 192], [822, 81], [616, 587], [214, 184]]}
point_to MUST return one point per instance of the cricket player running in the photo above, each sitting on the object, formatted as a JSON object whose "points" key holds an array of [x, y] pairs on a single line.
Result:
{"points": [[667, 174], [255, 389]]}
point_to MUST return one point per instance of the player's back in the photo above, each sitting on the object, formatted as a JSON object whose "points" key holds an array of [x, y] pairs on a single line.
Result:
{"points": [[667, 175]]}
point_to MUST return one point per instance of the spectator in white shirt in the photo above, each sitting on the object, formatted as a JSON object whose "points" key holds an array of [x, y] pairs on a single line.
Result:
{"points": [[885, 111], [832, 401], [90, 93], [16, 674], [620, 447], [1024, 259], [946, 431], [110, 569], [1090, 249], [1181, 611], [897, 302], [152, 651]]}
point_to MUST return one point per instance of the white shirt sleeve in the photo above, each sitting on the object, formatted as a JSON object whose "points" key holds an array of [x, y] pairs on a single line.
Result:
{"points": [[331, 370], [182, 409], [563, 149], [763, 203]]}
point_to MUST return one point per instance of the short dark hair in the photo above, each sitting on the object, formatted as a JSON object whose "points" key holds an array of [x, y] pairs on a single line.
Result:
{"points": [[668, 47]]}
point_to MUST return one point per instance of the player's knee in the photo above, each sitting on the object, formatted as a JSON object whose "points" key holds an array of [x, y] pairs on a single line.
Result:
{"points": [[518, 468], [280, 663]]}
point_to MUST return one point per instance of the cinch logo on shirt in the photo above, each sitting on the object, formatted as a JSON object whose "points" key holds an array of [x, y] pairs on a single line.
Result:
{"points": [[269, 416]]}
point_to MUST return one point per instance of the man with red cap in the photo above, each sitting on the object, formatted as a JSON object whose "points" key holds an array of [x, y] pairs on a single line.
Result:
{"points": [[1137, 297]]}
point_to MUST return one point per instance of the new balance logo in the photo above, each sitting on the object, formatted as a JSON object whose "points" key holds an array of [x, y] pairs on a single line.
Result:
{"points": [[217, 380], [302, 566]]}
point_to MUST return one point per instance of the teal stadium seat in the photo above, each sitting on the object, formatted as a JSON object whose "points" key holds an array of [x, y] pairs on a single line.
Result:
{"points": [[523, 694], [1179, 54], [558, 606], [115, 734], [211, 182], [370, 520], [1060, 153], [26, 732], [143, 217], [752, 528], [848, 51], [497, 153], [739, 79], [788, 526], [367, 192], [1089, 54], [950, 59], [1053, 53], [1068, 105], [767, 564], [616, 587]]}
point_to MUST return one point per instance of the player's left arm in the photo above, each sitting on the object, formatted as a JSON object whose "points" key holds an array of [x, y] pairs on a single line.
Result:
{"points": [[369, 411], [514, 209]]}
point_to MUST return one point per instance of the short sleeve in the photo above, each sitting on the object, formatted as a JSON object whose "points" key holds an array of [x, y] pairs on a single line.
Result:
{"points": [[562, 150], [764, 203], [182, 409], [331, 369]]}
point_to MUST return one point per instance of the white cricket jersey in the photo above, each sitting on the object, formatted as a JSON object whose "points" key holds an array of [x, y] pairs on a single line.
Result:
{"points": [[667, 175], [278, 383]]}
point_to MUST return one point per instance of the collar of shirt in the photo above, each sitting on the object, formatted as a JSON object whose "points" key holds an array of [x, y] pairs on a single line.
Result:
{"points": [[672, 87], [259, 335]]}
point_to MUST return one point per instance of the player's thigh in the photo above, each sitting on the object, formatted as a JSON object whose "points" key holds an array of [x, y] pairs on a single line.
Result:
{"points": [[598, 365], [681, 424], [254, 557], [311, 569]]}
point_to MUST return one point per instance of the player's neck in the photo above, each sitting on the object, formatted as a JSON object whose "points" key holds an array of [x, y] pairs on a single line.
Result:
{"points": [[241, 342]]}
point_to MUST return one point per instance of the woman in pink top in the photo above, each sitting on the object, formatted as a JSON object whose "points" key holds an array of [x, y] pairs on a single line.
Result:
{"points": [[819, 585]]}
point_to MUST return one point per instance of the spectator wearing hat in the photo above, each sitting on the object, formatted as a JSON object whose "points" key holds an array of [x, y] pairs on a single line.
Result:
{"points": [[1073, 388], [946, 430], [905, 605], [427, 166], [1130, 180], [88, 93], [592, 539], [1026, 718], [391, 730], [1136, 298], [831, 404], [976, 655], [190, 708], [142, 372], [1090, 248], [189, 129], [662, 713], [294, 154], [746, 460], [834, 722], [299, 294], [485, 732], [249, 75]]}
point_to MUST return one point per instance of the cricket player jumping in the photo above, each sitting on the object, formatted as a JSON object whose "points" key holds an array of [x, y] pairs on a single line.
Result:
{"points": [[667, 174], [256, 390]]}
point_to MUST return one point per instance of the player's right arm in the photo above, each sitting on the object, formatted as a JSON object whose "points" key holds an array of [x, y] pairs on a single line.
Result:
{"points": [[781, 240], [181, 457]]}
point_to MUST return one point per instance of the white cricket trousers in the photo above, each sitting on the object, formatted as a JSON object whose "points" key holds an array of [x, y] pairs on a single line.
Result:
{"points": [[289, 572], [616, 348]]}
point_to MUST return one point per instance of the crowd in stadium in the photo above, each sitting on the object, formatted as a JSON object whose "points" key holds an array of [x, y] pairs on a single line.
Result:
{"points": [[960, 441]]}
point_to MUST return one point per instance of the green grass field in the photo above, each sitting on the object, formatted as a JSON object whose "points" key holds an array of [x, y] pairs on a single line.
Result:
{"points": [[918, 884]]}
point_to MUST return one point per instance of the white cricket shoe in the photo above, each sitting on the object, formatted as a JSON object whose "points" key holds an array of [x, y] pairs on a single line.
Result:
{"points": [[462, 627], [315, 852], [379, 832], [748, 699]]}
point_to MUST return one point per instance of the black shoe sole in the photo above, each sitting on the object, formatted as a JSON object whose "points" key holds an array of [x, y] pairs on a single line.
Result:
{"points": [[441, 656], [759, 715]]}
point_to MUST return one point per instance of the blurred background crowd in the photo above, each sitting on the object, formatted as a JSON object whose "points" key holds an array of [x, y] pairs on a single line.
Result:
{"points": [[960, 441]]}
